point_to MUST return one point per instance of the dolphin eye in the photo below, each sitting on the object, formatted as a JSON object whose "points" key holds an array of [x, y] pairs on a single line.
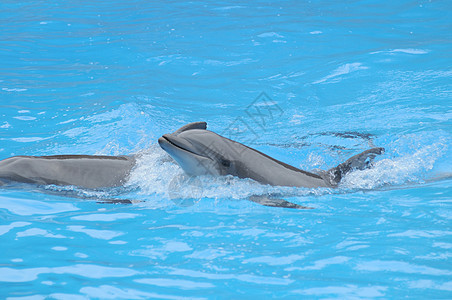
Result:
{"points": [[225, 163]]}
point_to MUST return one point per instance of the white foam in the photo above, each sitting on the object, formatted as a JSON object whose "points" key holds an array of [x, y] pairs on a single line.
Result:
{"points": [[397, 170], [67, 121], [13, 90], [406, 51], [410, 51], [229, 7], [59, 248], [154, 171], [27, 139], [270, 34], [342, 70], [25, 118]]}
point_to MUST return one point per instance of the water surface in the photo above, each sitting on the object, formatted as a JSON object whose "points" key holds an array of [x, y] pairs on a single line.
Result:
{"points": [[111, 77]]}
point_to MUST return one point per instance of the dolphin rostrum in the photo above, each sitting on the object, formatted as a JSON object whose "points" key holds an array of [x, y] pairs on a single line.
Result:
{"points": [[199, 152]]}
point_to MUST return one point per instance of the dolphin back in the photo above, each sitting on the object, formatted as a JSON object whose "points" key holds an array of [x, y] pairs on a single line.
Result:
{"points": [[85, 171]]}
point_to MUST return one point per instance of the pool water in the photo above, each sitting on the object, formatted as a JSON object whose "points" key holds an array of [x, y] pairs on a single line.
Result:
{"points": [[308, 83]]}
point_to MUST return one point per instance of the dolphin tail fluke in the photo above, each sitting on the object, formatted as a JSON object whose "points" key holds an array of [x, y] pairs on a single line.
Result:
{"points": [[358, 162], [275, 202]]}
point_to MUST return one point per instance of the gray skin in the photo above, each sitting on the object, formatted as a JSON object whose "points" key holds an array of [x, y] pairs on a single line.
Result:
{"points": [[200, 152], [85, 171]]}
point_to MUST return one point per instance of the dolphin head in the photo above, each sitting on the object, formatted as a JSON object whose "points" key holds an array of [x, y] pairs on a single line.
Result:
{"points": [[198, 151]]}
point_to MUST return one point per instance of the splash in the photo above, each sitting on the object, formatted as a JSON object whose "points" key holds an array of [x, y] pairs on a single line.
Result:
{"points": [[153, 172], [157, 174], [342, 70], [406, 168]]}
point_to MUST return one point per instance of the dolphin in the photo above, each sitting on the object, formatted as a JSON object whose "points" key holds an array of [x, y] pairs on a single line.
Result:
{"points": [[85, 171], [200, 151]]}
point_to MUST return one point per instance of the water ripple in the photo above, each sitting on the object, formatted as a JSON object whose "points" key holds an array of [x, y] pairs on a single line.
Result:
{"points": [[95, 233], [240, 277], [400, 266], [24, 207], [175, 283], [84, 270]]}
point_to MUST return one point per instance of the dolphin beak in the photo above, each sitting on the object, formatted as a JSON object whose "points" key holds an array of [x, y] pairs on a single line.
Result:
{"points": [[163, 142], [178, 142], [175, 142]]}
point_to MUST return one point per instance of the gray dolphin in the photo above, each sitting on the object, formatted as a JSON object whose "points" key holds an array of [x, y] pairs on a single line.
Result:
{"points": [[199, 151], [85, 171]]}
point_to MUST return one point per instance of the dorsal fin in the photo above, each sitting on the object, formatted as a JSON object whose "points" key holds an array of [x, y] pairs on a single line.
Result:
{"points": [[358, 162], [194, 125]]}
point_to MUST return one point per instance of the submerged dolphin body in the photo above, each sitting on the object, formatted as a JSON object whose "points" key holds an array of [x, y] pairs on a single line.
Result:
{"points": [[199, 151], [85, 171]]}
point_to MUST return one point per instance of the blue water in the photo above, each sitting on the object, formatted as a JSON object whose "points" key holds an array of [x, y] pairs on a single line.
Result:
{"points": [[110, 77]]}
